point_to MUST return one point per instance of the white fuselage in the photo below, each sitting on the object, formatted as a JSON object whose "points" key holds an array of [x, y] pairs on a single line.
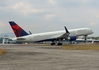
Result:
{"points": [[54, 34]]}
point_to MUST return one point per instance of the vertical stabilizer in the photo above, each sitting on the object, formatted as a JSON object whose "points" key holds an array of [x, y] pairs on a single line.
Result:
{"points": [[18, 31]]}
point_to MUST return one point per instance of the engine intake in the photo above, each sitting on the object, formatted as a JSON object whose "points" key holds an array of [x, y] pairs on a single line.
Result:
{"points": [[72, 38]]}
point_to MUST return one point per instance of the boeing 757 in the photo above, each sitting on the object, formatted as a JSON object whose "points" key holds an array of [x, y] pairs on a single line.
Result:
{"points": [[70, 35]]}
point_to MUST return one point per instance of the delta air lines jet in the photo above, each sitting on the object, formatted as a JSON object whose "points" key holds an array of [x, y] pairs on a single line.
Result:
{"points": [[70, 35]]}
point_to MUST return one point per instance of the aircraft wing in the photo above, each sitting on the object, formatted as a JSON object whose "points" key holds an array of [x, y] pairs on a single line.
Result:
{"points": [[65, 35]]}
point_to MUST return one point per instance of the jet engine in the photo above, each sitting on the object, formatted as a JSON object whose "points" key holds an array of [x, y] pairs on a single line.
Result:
{"points": [[72, 38]]}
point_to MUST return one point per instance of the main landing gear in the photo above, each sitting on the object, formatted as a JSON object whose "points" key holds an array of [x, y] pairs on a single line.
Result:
{"points": [[85, 38], [52, 43], [59, 39], [59, 43]]}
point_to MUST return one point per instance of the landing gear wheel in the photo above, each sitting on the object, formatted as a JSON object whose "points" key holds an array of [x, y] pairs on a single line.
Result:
{"points": [[59, 44], [52, 43], [85, 38]]}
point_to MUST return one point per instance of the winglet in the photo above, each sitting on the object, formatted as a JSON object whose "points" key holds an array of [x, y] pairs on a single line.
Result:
{"points": [[66, 29], [30, 32], [18, 31]]}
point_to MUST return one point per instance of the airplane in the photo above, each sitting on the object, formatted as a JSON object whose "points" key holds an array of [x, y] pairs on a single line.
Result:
{"points": [[55, 36]]}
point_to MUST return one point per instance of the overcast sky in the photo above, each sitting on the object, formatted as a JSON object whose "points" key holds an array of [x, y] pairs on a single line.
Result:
{"points": [[49, 15]]}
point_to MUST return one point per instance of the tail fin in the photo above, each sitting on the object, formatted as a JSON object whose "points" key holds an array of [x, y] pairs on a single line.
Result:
{"points": [[18, 31]]}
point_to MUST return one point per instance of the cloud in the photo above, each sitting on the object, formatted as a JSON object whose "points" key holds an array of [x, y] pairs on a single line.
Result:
{"points": [[25, 8], [42, 13], [2, 27], [53, 2], [93, 23], [97, 15], [86, 1], [49, 16], [2, 24], [69, 20]]}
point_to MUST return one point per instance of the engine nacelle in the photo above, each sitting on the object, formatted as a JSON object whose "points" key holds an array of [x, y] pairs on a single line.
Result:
{"points": [[72, 38]]}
